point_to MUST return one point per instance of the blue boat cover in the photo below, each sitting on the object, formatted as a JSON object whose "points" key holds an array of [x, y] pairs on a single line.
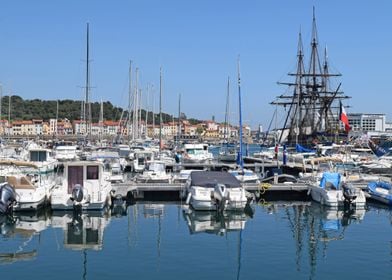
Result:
{"points": [[301, 149], [332, 178]]}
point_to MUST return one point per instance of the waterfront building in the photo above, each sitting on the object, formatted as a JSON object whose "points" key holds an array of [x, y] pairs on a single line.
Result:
{"points": [[232, 132], [367, 122], [111, 128], [79, 127], [3, 127], [26, 128]]}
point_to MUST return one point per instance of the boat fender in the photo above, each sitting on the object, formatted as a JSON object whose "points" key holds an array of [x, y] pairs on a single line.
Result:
{"points": [[188, 198]]}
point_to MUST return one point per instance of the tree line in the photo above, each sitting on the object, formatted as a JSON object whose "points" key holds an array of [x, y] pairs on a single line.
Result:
{"points": [[21, 109]]}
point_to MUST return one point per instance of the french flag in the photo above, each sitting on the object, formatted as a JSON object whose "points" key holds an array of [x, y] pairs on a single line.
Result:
{"points": [[343, 118]]}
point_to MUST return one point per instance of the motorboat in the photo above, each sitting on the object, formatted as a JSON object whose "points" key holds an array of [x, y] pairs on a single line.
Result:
{"points": [[111, 163], [330, 191], [31, 186], [183, 175], [245, 175], [227, 153], [380, 191], [196, 153], [140, 159], [66, 152], [155, 173], [84, 185], [214, 190], [41, 157]]}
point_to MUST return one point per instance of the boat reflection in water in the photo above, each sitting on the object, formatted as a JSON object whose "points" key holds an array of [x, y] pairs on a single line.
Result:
{"points": [[313, 227], [82, 230], [153, 210], [334, 222], [20, 234], [215, 222]]}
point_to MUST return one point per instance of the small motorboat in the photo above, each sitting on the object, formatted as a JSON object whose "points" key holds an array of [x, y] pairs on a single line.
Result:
{"points": [[215, 190], [380, 191], [332, 192]]}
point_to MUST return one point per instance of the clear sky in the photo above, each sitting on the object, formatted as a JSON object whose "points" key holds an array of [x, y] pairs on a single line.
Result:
{"points": [[197, 42]]}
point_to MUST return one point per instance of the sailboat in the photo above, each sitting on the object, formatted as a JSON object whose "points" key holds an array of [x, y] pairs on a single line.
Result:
{"points": [[228, 151], [242, 174]]}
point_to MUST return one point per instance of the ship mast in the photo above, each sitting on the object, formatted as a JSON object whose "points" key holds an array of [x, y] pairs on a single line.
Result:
{"points": [[314, 103]]}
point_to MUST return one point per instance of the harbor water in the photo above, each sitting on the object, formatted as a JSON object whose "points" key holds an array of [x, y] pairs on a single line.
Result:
{"points": [[277, 240]]}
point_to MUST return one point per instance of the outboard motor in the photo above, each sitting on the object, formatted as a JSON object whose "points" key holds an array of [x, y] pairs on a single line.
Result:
{"points": [[77, 193], [7, 224], [221, 196], [7, 198], [350, 193]]}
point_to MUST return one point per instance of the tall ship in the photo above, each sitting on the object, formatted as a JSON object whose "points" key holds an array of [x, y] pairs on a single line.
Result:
{"points": [[313, 99]]}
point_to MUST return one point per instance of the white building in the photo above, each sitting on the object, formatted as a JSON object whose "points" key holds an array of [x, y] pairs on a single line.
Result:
{"points": [[367, 122]]}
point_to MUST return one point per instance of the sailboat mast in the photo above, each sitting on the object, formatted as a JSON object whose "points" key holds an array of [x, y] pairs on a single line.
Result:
{"points": [[147, 107], [153, 112], [57, 117], [135, 115], [226, 134], [179, 117], [241, 161], [160, 110], [9, 114], [101, 122], [87, 100], [140, 114], [129, 99]]}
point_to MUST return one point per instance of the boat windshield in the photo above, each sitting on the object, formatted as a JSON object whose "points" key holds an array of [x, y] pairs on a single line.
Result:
{"points": [[156, 166]]}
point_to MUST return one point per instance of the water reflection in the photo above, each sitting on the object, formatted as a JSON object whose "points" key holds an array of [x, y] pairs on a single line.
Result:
{"points": [[215, 222], [22, 233], [153, 235], [313, 227], [82, 230]]}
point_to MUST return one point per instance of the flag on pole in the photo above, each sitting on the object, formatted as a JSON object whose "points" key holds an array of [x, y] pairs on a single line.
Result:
{"points": [[343, 118]]}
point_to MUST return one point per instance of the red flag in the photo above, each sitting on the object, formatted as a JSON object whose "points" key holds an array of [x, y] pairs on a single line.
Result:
{"points": [[343, 118]]}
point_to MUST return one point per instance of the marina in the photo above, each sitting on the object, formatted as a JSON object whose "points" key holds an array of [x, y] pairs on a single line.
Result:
{"points": [[177, 158]]}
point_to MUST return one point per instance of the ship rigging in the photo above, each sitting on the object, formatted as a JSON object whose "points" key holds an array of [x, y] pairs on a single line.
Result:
{"points": [[314, 103]]}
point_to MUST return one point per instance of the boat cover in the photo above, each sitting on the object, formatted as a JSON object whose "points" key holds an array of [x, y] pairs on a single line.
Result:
{"points": [[332, 178], [209, 179], [302, 149]]}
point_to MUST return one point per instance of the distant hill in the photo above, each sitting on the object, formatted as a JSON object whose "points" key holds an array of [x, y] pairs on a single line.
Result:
{"points": [[46, 109]]}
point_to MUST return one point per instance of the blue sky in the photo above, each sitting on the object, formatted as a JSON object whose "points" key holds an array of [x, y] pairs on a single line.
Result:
{"points": [[197, 43]]}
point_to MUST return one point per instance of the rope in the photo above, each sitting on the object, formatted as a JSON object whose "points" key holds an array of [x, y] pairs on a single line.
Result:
{"points": [[264, 187]]}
